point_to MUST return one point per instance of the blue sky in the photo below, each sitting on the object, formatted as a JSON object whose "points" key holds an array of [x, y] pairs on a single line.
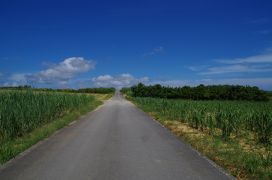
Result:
{"points": [[77, 43]]}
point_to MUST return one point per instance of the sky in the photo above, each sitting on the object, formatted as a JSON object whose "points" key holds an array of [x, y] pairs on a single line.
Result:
{"points": [[76, 43]]}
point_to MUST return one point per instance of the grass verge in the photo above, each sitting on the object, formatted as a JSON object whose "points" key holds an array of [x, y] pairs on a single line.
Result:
{"points": [[241, 156], [9, 149], [102, 97]]}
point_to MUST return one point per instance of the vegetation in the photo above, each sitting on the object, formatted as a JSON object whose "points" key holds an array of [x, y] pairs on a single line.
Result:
{"points": [[85, 90], [28, 116], [220, 121], [229, 117], [97, 90], [102, 97], [15, 87], [126, 91], [221, 130], [269, 94], [21, 112], [201, 92]]}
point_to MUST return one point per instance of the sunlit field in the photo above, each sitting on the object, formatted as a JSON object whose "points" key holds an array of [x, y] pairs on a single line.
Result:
{"points": [[232, 125], [29, 115], [235, 134], [23, 111]]}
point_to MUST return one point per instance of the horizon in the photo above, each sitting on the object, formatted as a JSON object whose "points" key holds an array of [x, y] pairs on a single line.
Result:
{"points": [[80, 44], [124, 87]]}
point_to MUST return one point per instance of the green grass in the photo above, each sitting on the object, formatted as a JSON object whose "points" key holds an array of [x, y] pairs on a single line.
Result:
{"points": [[27, 117], [235, 134]]}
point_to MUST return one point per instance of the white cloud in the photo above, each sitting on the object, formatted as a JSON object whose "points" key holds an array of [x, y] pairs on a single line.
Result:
{"points": [[155, 51], [196, 68], [18, 77], [64, 71], [252, 64], [237, 68], [122, 80], [104, 78], [14, 80], [261, 58], [59, 73], [10, 84]]}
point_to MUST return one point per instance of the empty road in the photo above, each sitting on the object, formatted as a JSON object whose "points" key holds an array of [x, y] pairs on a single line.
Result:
{"points": [[116, 142]]}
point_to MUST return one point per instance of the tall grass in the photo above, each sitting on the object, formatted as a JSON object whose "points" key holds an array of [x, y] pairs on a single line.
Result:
{"points": [[23, 111], [235, 134], [230, 117]]}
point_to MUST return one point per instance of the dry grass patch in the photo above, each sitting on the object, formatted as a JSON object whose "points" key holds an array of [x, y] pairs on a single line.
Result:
{"points": [[102, 97]]}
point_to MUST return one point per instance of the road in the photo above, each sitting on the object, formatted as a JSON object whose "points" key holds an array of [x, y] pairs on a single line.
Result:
{"points": [[116, 142]]}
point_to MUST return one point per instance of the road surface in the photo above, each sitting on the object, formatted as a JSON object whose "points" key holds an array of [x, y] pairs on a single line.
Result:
{"points": [[116, 142]]}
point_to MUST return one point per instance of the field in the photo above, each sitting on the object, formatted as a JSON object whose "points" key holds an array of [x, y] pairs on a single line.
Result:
{"points": [[235, 134], [28, 116]]}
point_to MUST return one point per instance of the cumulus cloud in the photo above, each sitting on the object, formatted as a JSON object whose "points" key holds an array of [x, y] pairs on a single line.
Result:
{"points": [[103, 78], [62, 72], [122, 80], [59, 73]]}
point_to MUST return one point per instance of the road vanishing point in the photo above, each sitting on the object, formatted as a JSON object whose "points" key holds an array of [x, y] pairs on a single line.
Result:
{"points": [[116, 142]]}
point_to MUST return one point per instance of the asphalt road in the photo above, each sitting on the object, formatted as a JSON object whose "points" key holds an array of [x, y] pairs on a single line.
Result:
{"points": [[116, 142]]}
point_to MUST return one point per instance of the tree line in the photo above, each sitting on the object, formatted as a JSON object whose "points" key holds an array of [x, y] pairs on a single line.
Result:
{"points": [[97, 90], [201, 92]]}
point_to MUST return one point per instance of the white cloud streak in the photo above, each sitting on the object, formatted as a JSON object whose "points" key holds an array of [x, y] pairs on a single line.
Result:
{"points": [[261, 58], [252, 64], [237, 68]]}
